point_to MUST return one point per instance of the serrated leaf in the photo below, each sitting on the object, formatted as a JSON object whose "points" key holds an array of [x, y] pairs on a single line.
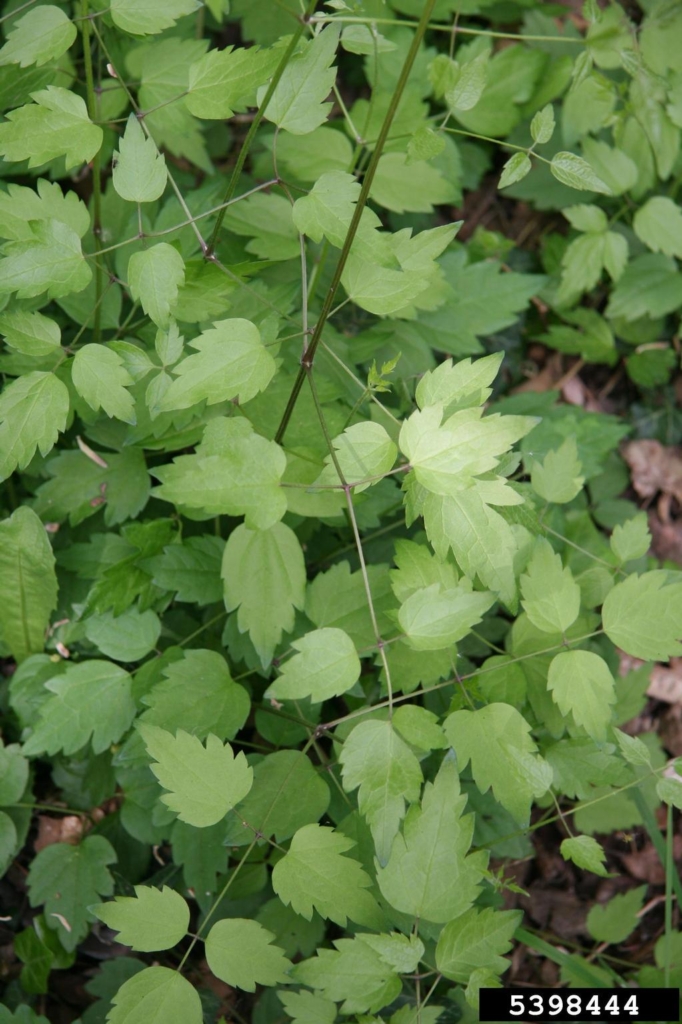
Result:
{"points": [[631, 539], [377, 760], [92, 702], [476, 940], [154, 276], [67, 880], [39, 36], [670, 791], [401, 952], [615, 920], [224, 79], [51, 261], [632, 748], [542, 125], [433, 617], [496, 739], [20, 206], [430, 873], [586, 853], [100, 377], [203, 782], [470, 81], [139, 170], [157, 995], [558, 477], [55, 124], [240, 952], [297, 103], [364, 453], [13, 773], [307, 1008], [658, 223], [354, 973], [28, 583], [315, 875], [325, 666], [515, 169], [643, 615], [582, 685], [231, 362], [572, 170], [424, 145], [191, 569], [30, 333], [126, 637], [551, 597], [153, 919], [149, 17], [264, 576]]}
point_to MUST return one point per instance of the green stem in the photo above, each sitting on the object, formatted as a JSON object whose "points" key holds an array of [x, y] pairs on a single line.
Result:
{"points": [[96, 169], [669, 872], [438, 27], [328, 304]]}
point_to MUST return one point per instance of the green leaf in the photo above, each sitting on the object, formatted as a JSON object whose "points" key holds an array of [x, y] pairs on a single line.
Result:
{"points": [[614, 921], [30, 333], [496, 739], [364, 452], [326, 665], [126, 637], [558, 477], [92, 702], [306, 1008], [297, 103], [39, 36], [633, 749], [264, 576], [20, 206], [581, 684], [156, 995], [400, 952], [232, 362], [100, 377], [650, 285], [433, 618], [315, 875], [327, 210], [354, 973], [139, 170], [542, 125], [575, 172], [51, 261], [376, 759], [203, 783], [224, 79], [631, 539], [586, 853], [551, 597], [28, 583], [670, 791], [240, 953], [393, 185], [459, 385], [469, 82], [149, 17], [476, 940], [67, 880], [424, 145], [643, 615], [55, 124], [13, 773], [430, 874], [658, 223], [419, 727], [154, 276], [515, 169], [151, 920], [191, 570]]}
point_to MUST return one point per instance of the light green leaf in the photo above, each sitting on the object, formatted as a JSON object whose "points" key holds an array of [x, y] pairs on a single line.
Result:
{"points": [[20, 206], [575, 172], [190, 569], [267, 219], [297, 103], [515, 169], [400, 952], [542, 125], [306, 1008], [240, 952], [362, 39], [203, 783], [670, 791], [30, 333], [51, 261], [231, 362], [126, 637], [326, 665], [67, 880], [224, 79], [476, 940], [55, 124], [434, 617], [154, 276], [264, 576], [393, 185], [149, 17], [558, 477], [643, 615], [40, 35], [632, 748], [459, 385], [376, 759], [100, 377], [581, 684], [156, 995], [551, 597], [496, 739], [586, 853], [315, 875], [327, 210], [631, 539], [429, 873], [139, 173], [419, 727], [424, 145], [13, 773], [615, 920], [92, 702], [151, 920], [354, 973], [363, 452], [658, 223], [28, 583], [470, 81], [586, 217]]}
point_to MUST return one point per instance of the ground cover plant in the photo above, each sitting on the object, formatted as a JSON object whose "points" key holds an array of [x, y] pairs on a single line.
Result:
{"points": [[340, 373]]}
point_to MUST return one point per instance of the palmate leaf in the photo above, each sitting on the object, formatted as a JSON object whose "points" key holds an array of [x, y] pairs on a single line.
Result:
{"points": [[156, 995], [50, 261], [153, 919], [38, 36], [297, 103], [139, 171], [55, 124], [28, 583], [224, 79]]}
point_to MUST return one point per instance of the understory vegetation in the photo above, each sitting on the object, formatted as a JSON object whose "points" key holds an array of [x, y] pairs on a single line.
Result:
{"points": [[340, 513]]}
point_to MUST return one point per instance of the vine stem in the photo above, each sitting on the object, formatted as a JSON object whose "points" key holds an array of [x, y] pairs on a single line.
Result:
{"points": [[328, 304], [321, 19], [96, 167]]}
